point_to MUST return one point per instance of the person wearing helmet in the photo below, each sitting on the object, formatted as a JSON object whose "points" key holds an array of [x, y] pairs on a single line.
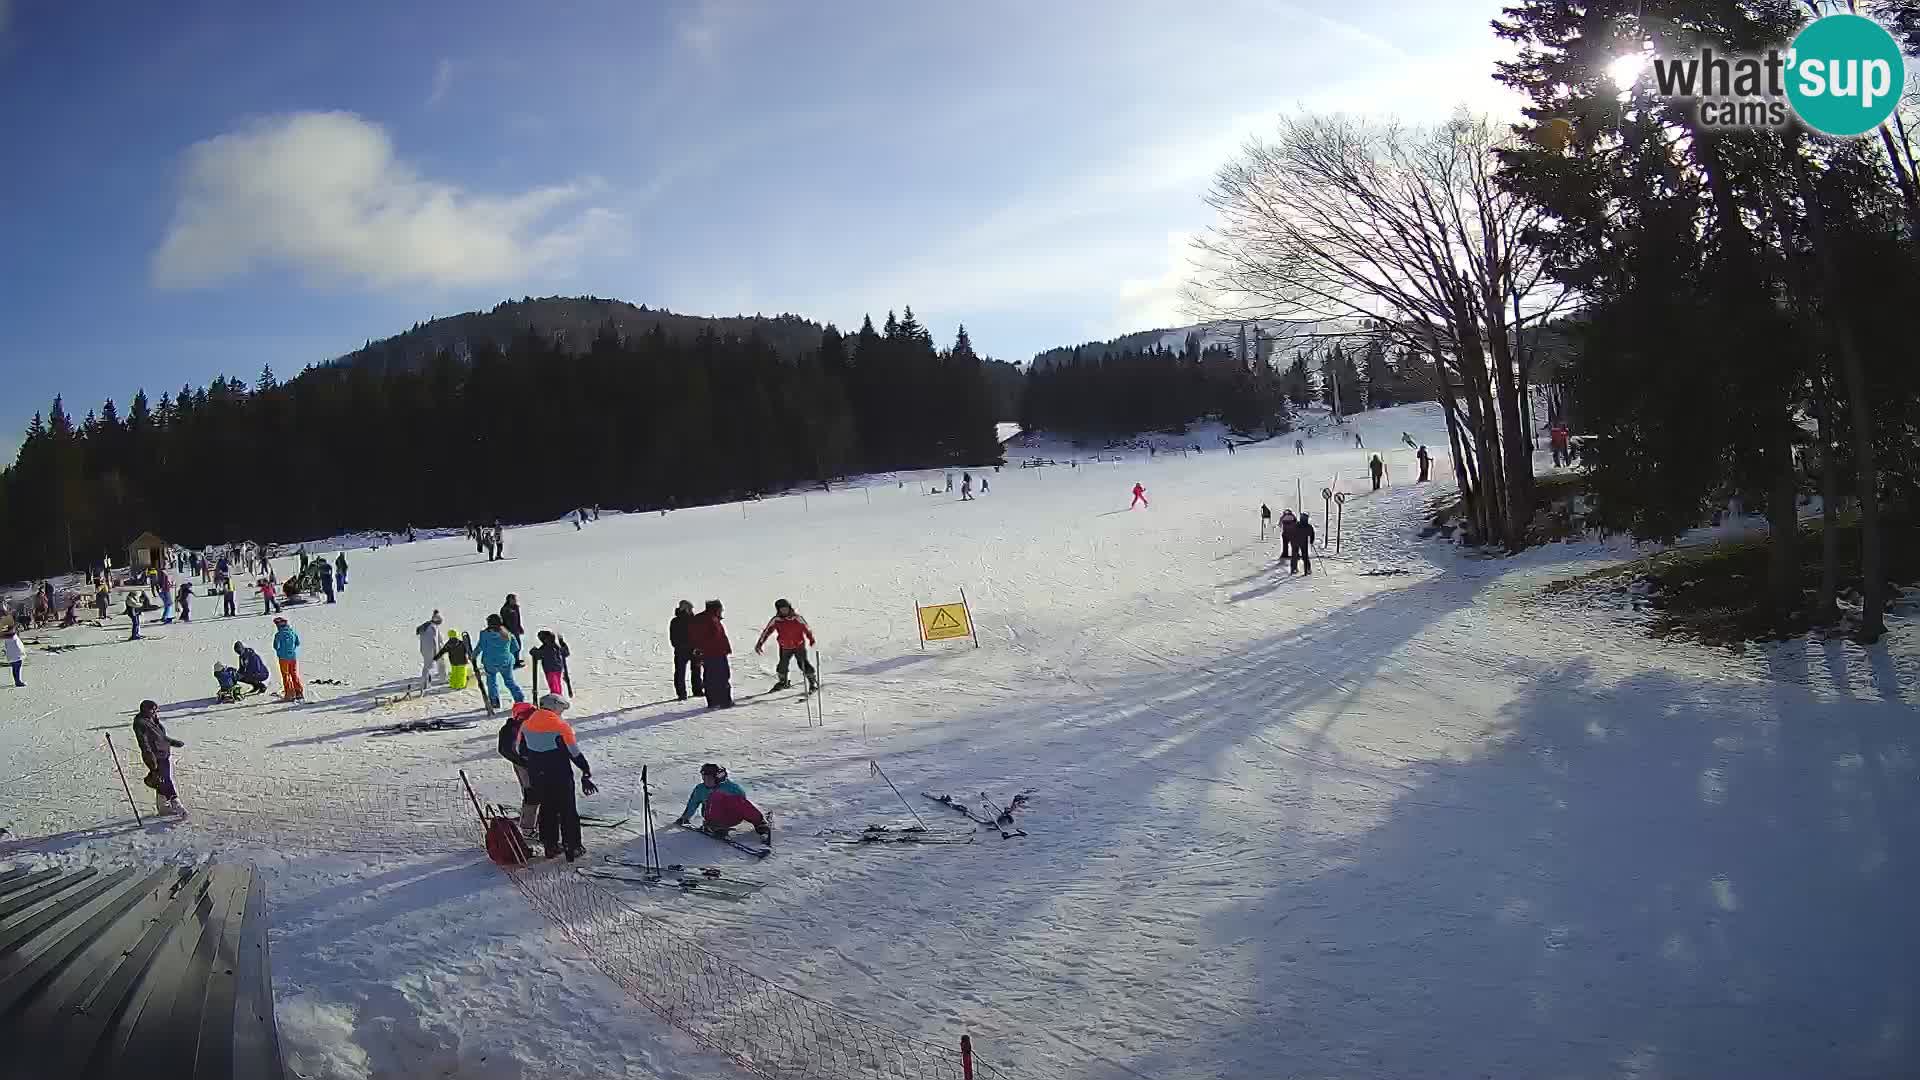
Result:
{"points": [[458, 655], [722, 805], [709, 637], [795, 635], [229, 679], [286, 646], [679, 634], [253, 670], [509, 748], [549, 751]]}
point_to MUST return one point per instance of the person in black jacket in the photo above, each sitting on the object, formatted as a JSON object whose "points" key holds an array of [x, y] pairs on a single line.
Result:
{"points": [[683, 655], [510, 749], [1302, 544], [510, 618]]}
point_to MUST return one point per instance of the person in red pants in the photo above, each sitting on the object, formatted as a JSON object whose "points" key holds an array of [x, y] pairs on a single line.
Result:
{"points": [[1139, 497]]}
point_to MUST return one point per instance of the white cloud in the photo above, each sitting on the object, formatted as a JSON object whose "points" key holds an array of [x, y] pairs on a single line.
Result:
{"points": [[324, 193], [1158, 301], [442, 80]]}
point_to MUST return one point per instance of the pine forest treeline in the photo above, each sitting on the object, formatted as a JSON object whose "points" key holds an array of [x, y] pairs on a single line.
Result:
{"points": [[522, 432]]}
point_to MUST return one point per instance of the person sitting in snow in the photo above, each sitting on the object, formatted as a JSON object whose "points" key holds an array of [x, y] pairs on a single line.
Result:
{"points": [[722, 805], [228, 678]]}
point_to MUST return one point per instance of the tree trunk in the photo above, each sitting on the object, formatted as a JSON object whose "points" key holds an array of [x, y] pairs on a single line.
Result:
{"points": [[1873, 572], [1514, 445], [1826, 611], [1783, 519]]}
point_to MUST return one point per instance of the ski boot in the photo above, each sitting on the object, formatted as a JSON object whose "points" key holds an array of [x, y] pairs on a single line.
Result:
{"points": [[574, 853], [783, 684], [813, 684]]}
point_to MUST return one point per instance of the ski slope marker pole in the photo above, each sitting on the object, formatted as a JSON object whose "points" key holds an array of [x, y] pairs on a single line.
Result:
{"points": [[115, 755], [966, 1057], [971, 628], [481, 814]]}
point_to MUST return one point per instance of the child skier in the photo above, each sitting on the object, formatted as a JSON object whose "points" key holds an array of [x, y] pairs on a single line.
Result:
{"points": [[458, 654], [550, 657], [286, 646], [267, 604], [795, 636], [509, 748], [548, 747], [156, 752], [722, 805], [1289, 530], [16, 653]]}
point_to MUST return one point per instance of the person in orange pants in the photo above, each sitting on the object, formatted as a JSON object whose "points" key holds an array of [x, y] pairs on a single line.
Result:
{"points": [[286, 646]]}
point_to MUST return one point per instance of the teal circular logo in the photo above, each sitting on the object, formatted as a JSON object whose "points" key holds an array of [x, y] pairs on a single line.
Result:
{"points": [[1847, 75]]}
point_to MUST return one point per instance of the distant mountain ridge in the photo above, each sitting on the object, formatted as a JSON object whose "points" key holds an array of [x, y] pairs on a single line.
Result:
{"points": [[1279, 340], [572, 321]]}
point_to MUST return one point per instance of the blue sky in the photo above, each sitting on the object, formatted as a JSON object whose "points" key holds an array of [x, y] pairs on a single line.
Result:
{"points": [[202, 188]]}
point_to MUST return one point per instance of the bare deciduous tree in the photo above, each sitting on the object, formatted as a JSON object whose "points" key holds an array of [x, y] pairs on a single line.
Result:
{"points": [[1335, 217]]}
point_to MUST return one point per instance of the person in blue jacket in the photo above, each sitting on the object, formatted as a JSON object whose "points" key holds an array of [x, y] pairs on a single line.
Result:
{"points": [[498, 654], [253, 670], [286, 646]]}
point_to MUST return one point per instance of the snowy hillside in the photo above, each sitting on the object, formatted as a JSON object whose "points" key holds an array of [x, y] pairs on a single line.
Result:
{"points": [[1399, 818]]}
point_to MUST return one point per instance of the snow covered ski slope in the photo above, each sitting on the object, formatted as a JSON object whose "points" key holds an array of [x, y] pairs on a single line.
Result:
{"points": [[1426, 824]]}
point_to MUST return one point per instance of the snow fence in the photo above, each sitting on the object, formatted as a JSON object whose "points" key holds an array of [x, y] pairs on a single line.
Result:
{"points": [[767, 1029]]}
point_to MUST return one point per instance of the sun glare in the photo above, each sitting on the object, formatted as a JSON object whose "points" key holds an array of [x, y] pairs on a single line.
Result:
{"points": [[1626, 69]]}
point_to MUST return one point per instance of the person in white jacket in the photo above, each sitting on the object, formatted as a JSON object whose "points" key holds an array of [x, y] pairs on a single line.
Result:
{"points": [[429, 634], [15, 652]]}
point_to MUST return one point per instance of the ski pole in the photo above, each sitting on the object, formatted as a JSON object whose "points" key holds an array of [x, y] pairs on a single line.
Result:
{"points": [[115, 755], [874, 766]]}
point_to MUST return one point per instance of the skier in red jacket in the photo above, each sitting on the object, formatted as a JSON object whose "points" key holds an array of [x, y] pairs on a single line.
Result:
{"points": [[795, 636], [708, 635], [1139, 497]]}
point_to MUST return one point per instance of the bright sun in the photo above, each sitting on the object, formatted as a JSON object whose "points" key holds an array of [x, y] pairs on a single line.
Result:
{"points": [[1626, 69]]}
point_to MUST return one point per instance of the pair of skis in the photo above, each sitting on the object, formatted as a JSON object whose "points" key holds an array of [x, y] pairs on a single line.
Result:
{"points": [[1002, 820]]}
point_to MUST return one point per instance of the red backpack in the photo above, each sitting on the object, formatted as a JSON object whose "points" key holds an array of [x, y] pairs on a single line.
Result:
{"points": [[505, 845]]}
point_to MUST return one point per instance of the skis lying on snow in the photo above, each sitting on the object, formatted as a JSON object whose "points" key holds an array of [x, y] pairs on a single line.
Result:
{"points": [[699, 880], [1007, 830], [895, 834], [756, 852], [589, 821], [411, 726]]}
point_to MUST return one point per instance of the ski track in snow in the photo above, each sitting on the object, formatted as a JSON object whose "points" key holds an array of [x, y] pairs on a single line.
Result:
{"points": [[1338, 825]]}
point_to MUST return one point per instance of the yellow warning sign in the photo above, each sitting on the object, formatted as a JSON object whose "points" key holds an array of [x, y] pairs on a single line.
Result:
{"points": [[939, 622]]}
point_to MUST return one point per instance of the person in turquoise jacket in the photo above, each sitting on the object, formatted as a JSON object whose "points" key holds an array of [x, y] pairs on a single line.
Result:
{"points": [[495, 650], [286, 646]]}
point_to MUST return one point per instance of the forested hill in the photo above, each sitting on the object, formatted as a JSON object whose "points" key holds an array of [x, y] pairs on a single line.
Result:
{"points": [[570, 323]]}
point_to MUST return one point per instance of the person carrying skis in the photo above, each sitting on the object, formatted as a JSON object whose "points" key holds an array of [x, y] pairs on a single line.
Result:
{"points": [[795, 635], [1377, 468], [340, 571], [1426, 461], [429, 634], [286, 646], [498, 653], [722, 805], [1302, 544], [1139, 496], [679, 634], [550, 657], [510, 749], [548, 747], [510, 618], [458, 653], [709, 637], [16, 653], [253, 670], [156, 752]]}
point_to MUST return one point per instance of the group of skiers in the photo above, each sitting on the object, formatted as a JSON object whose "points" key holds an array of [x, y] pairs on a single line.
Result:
{"points": [[700, 643], [489, 540], [497, 651], [1296, 537]]}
